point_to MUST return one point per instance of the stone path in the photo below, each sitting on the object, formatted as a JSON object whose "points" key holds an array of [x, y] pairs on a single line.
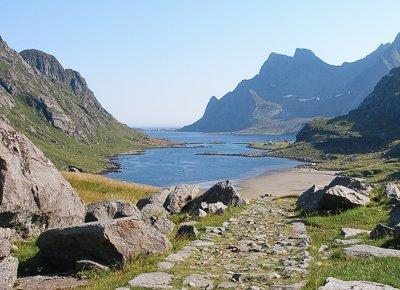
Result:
{"points": [[261, 247]]}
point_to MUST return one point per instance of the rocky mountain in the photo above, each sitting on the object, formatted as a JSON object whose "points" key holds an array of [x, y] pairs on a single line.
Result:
{"points": [[372, 125], [288, 91], [55, 108]]}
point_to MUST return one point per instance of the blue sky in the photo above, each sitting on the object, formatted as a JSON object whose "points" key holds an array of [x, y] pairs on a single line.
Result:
{"points": [[157, 63]]}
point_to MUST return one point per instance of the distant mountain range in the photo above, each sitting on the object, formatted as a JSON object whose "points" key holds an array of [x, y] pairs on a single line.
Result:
{"points": [[55, 108], [288, 91]]}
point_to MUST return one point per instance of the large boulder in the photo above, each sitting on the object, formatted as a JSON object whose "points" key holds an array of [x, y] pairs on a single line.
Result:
{"points": [[223, 192], [309, 200], [392, 192], [340, 197], [111, 209], [180, 196], [8, 272], [351, 183], [34, 195], [169, 200], [112, 242], [394, 216], [336, 284]]}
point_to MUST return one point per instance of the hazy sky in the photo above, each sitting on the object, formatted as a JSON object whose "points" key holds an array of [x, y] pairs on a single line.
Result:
{"points": [[153, 63]]}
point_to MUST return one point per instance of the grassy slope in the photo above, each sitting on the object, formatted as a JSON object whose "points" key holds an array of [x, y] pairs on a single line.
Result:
{"points": [[64, 150], [324, 229]]}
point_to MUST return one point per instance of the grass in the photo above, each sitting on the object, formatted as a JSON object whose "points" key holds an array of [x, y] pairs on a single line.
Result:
{"points": [[267, 146], [92, 187], [324, 229]]}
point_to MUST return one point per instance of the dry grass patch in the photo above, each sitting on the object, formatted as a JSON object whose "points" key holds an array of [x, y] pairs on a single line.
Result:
{"points": [[92, 187]]}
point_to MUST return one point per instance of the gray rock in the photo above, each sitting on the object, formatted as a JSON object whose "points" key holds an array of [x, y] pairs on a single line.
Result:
{"points": [[111, 209], [34, 195], [163, 224], [8, 272], [336, 284], [201, 213], [295, 286], [180, 196], [49, 282], [198, 281], [340, 197], [187, 231], [179, 256], [223, 192], [7, 233], [352, 232], [154, 280], [83, 265], [340, 242], [381, 231], [153, 205], [351, 183], [391, 191], [227, 285], [112, 242], [309, 200], [165, 266], [217, 208], [5, 248], [394, 216], [371, 251]]}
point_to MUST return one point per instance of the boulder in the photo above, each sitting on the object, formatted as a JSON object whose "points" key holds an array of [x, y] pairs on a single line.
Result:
{"points": [[5, 248], [394, 216], [201, 213], [352, 232], [371, 251], [153, 280], [336, 284], [153, 205], [112, 242], [309, 200], [391, 191], [187, 230], [111, 209], [351, 183], [8, 272], [217, 208], [163, 224], [340, 197], [34, 195], [381, 231], [180, 196], [223, 192]]}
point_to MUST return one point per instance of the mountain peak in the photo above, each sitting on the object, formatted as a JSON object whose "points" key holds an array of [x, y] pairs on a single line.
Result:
{"points": [[397, 40], [303, 53]]}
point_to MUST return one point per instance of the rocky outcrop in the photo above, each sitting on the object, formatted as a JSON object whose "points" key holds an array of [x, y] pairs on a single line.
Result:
{"points": [[112, 242], [169, 200], [8, 272], [111, 209], [342, 193], [34, 195], [364, 251], [223, 192], [392, 192], [340, 197], [336, 284]]}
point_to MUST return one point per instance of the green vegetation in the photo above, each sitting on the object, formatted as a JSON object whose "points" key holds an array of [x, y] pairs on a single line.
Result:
{"points": [[269, 146], [324, 229]]}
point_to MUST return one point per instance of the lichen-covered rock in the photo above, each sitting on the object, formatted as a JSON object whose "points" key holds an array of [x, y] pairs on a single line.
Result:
{"points": [[153, 280], [112, 242], [309, 200], [8, 272], [340, 197], [5, 248], [163, 224], [336, 284], [223, 192], [111, 209], [351, 183], [34, 194], [391, 191], [180, 196], [153, 205]]}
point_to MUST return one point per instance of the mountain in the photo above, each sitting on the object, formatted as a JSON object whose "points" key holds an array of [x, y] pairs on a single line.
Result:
{"points": [[288, 91], [55, 109], [373, 125]]}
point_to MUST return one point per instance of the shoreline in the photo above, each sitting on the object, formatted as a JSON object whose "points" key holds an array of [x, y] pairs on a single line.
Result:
{"points": [[284, 182]]}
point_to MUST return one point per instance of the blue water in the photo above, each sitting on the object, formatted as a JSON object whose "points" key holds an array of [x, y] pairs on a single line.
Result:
{"points": [[168, 166]]}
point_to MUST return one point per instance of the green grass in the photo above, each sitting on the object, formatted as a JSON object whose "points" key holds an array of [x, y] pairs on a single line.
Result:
{"points": [[324, 229]]}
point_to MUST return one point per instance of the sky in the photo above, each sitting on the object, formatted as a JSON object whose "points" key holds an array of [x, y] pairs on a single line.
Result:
{"points": [[156, 63]]}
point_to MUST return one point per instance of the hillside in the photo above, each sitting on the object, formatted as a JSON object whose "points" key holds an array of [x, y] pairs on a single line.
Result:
{"points": [[288, 91], [55, 109]]}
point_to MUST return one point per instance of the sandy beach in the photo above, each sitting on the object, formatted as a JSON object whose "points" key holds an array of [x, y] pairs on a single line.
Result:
{"points": [[278, 183]]}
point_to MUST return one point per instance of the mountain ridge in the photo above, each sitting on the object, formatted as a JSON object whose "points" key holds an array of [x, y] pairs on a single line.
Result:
{"points": [[304, 85]]}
